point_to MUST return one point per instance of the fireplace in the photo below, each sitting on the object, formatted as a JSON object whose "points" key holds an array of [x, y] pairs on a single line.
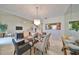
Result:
{"points": [[19, 36]]}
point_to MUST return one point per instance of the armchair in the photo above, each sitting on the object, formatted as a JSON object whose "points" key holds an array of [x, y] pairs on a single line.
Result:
{"points": [[21, 47]]}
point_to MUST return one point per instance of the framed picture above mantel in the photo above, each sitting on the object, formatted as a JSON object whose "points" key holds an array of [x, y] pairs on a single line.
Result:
{"points": [[55, 26]]}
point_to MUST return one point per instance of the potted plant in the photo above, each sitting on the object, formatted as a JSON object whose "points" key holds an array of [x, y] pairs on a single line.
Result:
{"points": [[3, 27]]}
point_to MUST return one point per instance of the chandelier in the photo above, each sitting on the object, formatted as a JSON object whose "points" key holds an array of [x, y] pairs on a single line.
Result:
{"points": [[37, 21]]}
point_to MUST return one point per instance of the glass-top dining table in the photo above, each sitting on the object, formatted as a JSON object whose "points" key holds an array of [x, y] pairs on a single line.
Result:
{"points": [[32, 40]]}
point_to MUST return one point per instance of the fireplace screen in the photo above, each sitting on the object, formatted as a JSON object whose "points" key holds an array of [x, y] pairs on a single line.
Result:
{"points": [[20, 36]]}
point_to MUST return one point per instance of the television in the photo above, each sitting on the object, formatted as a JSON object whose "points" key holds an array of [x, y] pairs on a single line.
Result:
{"points": [[19, 28]]}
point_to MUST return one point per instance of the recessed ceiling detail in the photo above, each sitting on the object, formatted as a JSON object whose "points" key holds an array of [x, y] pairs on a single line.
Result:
{"points": [[28, 10]]}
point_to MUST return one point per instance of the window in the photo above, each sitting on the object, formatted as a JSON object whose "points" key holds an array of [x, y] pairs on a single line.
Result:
{"points": [[56, 26], [74, 25]]}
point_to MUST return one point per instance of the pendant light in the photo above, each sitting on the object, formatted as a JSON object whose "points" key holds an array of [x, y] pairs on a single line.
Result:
{"points": [[37, 21]]}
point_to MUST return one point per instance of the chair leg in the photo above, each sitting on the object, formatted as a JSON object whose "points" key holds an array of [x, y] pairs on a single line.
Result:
{"points": [[14, 52], [30, 50], [34, 50], [45, 50], [48, 45], [42, 53], [65, 51]]}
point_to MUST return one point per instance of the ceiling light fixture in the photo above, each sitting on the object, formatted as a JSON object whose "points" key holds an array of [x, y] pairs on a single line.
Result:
{"points": [[37, 21]]}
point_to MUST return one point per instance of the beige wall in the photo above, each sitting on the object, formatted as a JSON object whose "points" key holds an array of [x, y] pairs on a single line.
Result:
{"points": [[54, 20], [72, 14], [12, 21], [56, 34]]}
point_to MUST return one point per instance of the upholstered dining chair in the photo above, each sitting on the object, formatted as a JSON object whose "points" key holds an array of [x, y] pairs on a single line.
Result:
{"points": [[70, 44], [64, 46], [21, 47], [48, 42], [42, 45], [65, 41]]}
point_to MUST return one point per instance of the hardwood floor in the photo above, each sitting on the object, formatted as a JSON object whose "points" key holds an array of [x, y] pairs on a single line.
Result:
{"points": [[54, 49]]}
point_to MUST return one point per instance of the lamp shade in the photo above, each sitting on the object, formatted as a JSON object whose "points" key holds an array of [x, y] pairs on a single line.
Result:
{"points": [[37, 22]]}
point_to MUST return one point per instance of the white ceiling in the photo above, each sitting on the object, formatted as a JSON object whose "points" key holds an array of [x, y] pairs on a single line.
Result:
{"points": [[29, 11]]}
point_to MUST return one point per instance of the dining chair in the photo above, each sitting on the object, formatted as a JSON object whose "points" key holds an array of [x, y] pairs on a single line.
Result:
{"points": [[42, 45], [74, 49], [65, 44], [21, 47], [48, 42], [70, 44], [64, 47]]}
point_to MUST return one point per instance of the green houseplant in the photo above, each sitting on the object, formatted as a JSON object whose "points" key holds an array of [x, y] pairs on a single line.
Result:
{"points": [[3, 27]]}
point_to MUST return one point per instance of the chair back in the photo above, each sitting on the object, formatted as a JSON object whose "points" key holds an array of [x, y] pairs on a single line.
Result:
{"points": [[45, 40], [14, 42], [44, 43], [21, 47], [64, 46], [49, 35]]}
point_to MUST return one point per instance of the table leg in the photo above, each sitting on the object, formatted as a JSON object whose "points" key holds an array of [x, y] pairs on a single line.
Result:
{"points": [[32, 51]]}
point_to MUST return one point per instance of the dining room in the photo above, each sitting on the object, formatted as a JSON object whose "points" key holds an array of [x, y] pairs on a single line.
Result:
{"points": [[39, 29]]}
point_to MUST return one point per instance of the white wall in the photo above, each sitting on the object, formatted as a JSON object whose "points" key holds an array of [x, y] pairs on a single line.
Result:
{"points": [[54, 20], [72, 14], [12, 21], [55, 33]]}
